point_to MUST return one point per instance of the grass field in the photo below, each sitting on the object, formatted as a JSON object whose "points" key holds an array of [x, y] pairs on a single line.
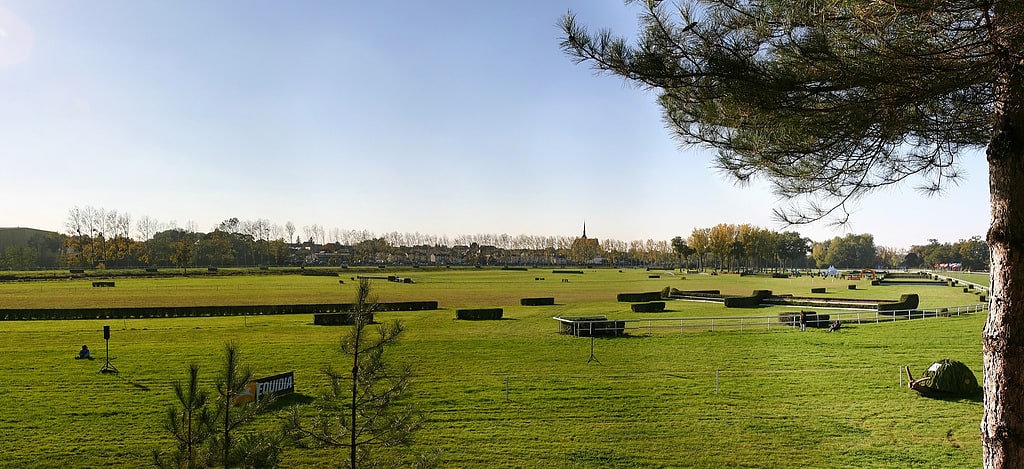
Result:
{"points": [[510, 393]]}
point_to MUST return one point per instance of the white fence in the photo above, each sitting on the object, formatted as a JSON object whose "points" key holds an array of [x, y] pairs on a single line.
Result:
{"points": [[592, 326]]}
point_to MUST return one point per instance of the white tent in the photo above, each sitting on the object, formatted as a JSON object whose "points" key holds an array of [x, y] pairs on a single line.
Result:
{"points": [[831, 271]]}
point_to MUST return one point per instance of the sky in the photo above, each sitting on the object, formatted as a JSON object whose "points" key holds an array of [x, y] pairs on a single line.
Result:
{"points": [[444, 117]]}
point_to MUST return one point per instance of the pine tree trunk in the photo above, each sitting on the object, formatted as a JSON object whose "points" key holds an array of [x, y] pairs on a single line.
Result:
{"points": [[1002, 426]]}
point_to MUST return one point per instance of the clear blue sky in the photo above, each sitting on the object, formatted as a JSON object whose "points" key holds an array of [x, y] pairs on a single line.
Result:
{"points": [[442, 117]]}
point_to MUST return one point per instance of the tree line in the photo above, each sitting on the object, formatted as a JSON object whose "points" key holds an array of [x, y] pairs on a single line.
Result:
{"points": [[96, 237]]}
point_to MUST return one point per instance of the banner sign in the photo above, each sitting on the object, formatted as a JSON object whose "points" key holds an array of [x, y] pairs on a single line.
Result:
{"points": [[276, 385]]}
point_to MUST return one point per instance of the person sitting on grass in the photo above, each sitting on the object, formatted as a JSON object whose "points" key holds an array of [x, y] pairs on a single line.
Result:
{"points": [[84, 354]]}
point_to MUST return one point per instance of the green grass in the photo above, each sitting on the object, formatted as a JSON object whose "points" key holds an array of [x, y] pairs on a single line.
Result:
{"points": [[724, 399]]}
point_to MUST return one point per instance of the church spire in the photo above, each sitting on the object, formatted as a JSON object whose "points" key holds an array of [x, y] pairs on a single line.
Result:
{"points": [[584, 230]]}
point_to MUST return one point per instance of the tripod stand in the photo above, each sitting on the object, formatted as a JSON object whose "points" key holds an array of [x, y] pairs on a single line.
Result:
{"points": [[107, 367], [592, 357]]}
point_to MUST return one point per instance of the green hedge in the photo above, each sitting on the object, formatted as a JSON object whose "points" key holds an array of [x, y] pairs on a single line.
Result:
{"points": [[548, 301], [200, 311], [818, 290], [908, 301], [652, 307], [567, 271], [335, 319], [479, 314], [102, 284], [638, 297], [752, 301]]}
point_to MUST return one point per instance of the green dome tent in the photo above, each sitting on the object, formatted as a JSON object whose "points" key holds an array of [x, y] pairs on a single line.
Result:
{"points": [[945, 378]]}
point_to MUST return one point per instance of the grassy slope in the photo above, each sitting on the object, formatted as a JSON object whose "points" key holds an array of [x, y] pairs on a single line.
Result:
{"points": [[784, 398]]}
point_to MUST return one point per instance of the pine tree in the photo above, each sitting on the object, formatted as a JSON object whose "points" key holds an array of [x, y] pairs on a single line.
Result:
{"points": [[829, 101], [362, 411]]}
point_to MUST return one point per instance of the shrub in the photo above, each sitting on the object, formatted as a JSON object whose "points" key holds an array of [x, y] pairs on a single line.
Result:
{"points": [[537, 301], [652, 307], [479, 314]]}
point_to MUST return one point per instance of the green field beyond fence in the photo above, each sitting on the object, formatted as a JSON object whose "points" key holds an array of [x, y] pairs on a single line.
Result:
{"points": [[511, 392]]}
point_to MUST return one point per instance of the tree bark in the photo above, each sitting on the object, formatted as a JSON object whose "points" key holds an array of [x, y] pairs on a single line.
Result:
{"points": [[1002, 425]]}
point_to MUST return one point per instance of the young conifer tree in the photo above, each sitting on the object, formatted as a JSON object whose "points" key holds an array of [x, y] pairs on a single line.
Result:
{"points": [[361, 411], [206, 431]]}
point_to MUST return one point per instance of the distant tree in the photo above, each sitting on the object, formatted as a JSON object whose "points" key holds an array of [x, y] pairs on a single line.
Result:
{"points": [[182, 251], [680, 248], [362, 410], [700, 241], [792, 249], [722, 236], [912, 260]]}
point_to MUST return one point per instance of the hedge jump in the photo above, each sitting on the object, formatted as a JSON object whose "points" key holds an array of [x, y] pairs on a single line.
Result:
{"points": [[638, 297], [336, 319], [200, 311], [652, 307], [102, 284], [481, 314], [547, 301]]}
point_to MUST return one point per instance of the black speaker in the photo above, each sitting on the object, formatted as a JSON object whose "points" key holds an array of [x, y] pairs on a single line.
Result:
{"points": [[106, 332]]}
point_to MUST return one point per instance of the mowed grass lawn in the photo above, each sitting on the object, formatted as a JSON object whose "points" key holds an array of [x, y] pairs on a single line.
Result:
{"points": [[509, 393]]}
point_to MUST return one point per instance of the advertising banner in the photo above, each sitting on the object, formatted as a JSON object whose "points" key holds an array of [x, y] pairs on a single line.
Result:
{"points": [[277, 385]]}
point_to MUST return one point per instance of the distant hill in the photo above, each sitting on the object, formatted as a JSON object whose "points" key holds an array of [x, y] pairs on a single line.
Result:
{"points": [[28, 248]]}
